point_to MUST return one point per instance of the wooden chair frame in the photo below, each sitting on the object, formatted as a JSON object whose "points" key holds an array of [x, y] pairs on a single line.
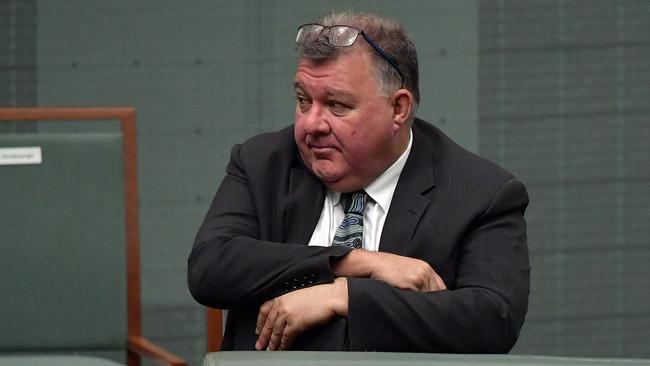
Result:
{"points": [[137, 346], [214, 329]]}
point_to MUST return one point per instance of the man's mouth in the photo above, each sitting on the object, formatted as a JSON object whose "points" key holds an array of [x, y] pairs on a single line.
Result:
{"points": [[320, 150]]}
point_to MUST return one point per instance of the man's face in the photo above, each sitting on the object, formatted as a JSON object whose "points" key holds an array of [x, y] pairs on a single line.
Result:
{"points": [[343, 127]]}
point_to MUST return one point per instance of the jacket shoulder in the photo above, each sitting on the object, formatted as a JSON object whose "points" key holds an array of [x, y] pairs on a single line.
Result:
{"points": [[457, 162], [266, 150], [270, 142]]}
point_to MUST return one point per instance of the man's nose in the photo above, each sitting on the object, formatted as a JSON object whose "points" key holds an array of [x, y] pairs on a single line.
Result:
{"points": [[315, 120]]}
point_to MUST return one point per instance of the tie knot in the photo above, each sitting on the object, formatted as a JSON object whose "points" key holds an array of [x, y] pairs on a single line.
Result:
{"points": [[354, 202]]}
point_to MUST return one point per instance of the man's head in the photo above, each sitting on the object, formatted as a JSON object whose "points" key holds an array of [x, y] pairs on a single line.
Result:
{"points": [[356, 91], [385, 33]]}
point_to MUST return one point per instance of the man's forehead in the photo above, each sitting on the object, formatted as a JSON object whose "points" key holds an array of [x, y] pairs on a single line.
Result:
{"points": [[352, 59]]}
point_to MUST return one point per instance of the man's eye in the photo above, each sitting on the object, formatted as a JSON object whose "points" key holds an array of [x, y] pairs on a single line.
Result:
{"points": [[337, 107], [302, 101]]}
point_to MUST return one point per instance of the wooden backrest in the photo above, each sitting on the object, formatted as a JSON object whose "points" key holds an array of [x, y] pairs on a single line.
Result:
{"points": [[70, 244]]}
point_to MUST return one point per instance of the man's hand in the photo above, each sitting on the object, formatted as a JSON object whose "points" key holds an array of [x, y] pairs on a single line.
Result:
{"points": [[281, 319], [398, 271]]}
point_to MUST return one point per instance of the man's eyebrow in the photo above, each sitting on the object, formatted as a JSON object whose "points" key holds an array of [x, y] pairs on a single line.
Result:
{"points": [[339, 93], [298, 87], [329, 92]]}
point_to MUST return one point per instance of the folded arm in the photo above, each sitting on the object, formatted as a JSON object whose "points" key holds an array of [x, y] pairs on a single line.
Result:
{"points": [[397, 303], [230, 266], [484, 310]]}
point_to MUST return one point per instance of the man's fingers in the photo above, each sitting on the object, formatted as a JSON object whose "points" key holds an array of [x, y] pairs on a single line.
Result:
{"points": [[265, 332], [262, 315], [284, 318], [277, 333], [435, 283], [288, 336], [440, 284]]}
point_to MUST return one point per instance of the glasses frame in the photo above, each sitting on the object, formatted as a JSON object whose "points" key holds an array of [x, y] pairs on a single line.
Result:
{"points": [[391, 61]]}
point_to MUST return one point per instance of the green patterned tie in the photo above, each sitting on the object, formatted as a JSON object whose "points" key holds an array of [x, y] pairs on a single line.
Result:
{"points": [[350, 231]]}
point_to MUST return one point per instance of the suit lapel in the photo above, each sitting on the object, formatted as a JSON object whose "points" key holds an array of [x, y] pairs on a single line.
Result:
{"points": [[304, 205], [409, 203]]}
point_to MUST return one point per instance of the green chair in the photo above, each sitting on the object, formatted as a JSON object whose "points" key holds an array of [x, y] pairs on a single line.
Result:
{"points": [[69, 243]]}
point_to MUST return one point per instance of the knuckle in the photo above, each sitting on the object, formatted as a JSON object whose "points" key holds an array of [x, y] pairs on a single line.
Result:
{"points": [[423, 266], [268, 327], [414, 277], [266, 307], [425, 269], [273, 315], [288, 333], [262, 313], [285, 341]]}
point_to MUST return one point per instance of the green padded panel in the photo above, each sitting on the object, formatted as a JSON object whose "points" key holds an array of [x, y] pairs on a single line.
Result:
{"points": [[63, 251], [251, 358], [55, 361]]}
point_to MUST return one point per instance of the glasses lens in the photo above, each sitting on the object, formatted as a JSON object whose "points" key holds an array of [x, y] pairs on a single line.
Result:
{"points": [[343, 36], [308, 33]]}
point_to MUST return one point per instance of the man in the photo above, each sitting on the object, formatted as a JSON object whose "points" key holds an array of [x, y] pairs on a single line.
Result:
{"points": [[361, 227]]}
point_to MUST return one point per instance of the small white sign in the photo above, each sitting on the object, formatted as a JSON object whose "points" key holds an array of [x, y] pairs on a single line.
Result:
{"points": [[20, 155]]}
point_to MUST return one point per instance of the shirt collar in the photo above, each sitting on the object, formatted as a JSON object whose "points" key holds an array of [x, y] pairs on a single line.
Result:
{"points": [[381, 189]]}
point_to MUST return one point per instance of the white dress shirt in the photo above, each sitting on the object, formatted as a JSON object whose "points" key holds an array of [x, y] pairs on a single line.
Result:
{"points": [[380, 194]]}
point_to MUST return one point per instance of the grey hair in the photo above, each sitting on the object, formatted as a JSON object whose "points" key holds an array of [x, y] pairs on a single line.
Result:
{"points": [[388, 34]]}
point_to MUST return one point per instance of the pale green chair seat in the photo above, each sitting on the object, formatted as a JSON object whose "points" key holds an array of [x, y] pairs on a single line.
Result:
{"points": [[55, 361]]}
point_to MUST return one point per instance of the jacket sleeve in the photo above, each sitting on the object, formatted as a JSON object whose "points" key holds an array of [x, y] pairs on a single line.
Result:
{"points": [[482, 313], [230, 265]]}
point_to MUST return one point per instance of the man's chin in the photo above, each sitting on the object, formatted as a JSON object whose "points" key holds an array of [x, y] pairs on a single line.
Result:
{"points": [[327, 177], [335, 179], [339, 183]]}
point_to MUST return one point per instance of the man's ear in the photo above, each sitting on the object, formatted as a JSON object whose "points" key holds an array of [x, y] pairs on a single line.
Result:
{"points": [[402, 102]]}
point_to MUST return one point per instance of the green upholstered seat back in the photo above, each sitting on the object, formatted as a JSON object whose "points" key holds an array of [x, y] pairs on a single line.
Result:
{"points": [[62, 245]]}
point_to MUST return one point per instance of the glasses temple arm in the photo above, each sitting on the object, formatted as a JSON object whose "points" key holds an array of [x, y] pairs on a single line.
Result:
{"points": [[384, 55]]}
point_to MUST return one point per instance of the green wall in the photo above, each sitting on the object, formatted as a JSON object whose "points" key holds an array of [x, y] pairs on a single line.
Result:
{"points": [[563, 100], [555, 90]]}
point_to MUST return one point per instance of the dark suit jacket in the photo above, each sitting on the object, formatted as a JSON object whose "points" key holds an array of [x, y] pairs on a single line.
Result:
{"points": [[458, 212]]}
